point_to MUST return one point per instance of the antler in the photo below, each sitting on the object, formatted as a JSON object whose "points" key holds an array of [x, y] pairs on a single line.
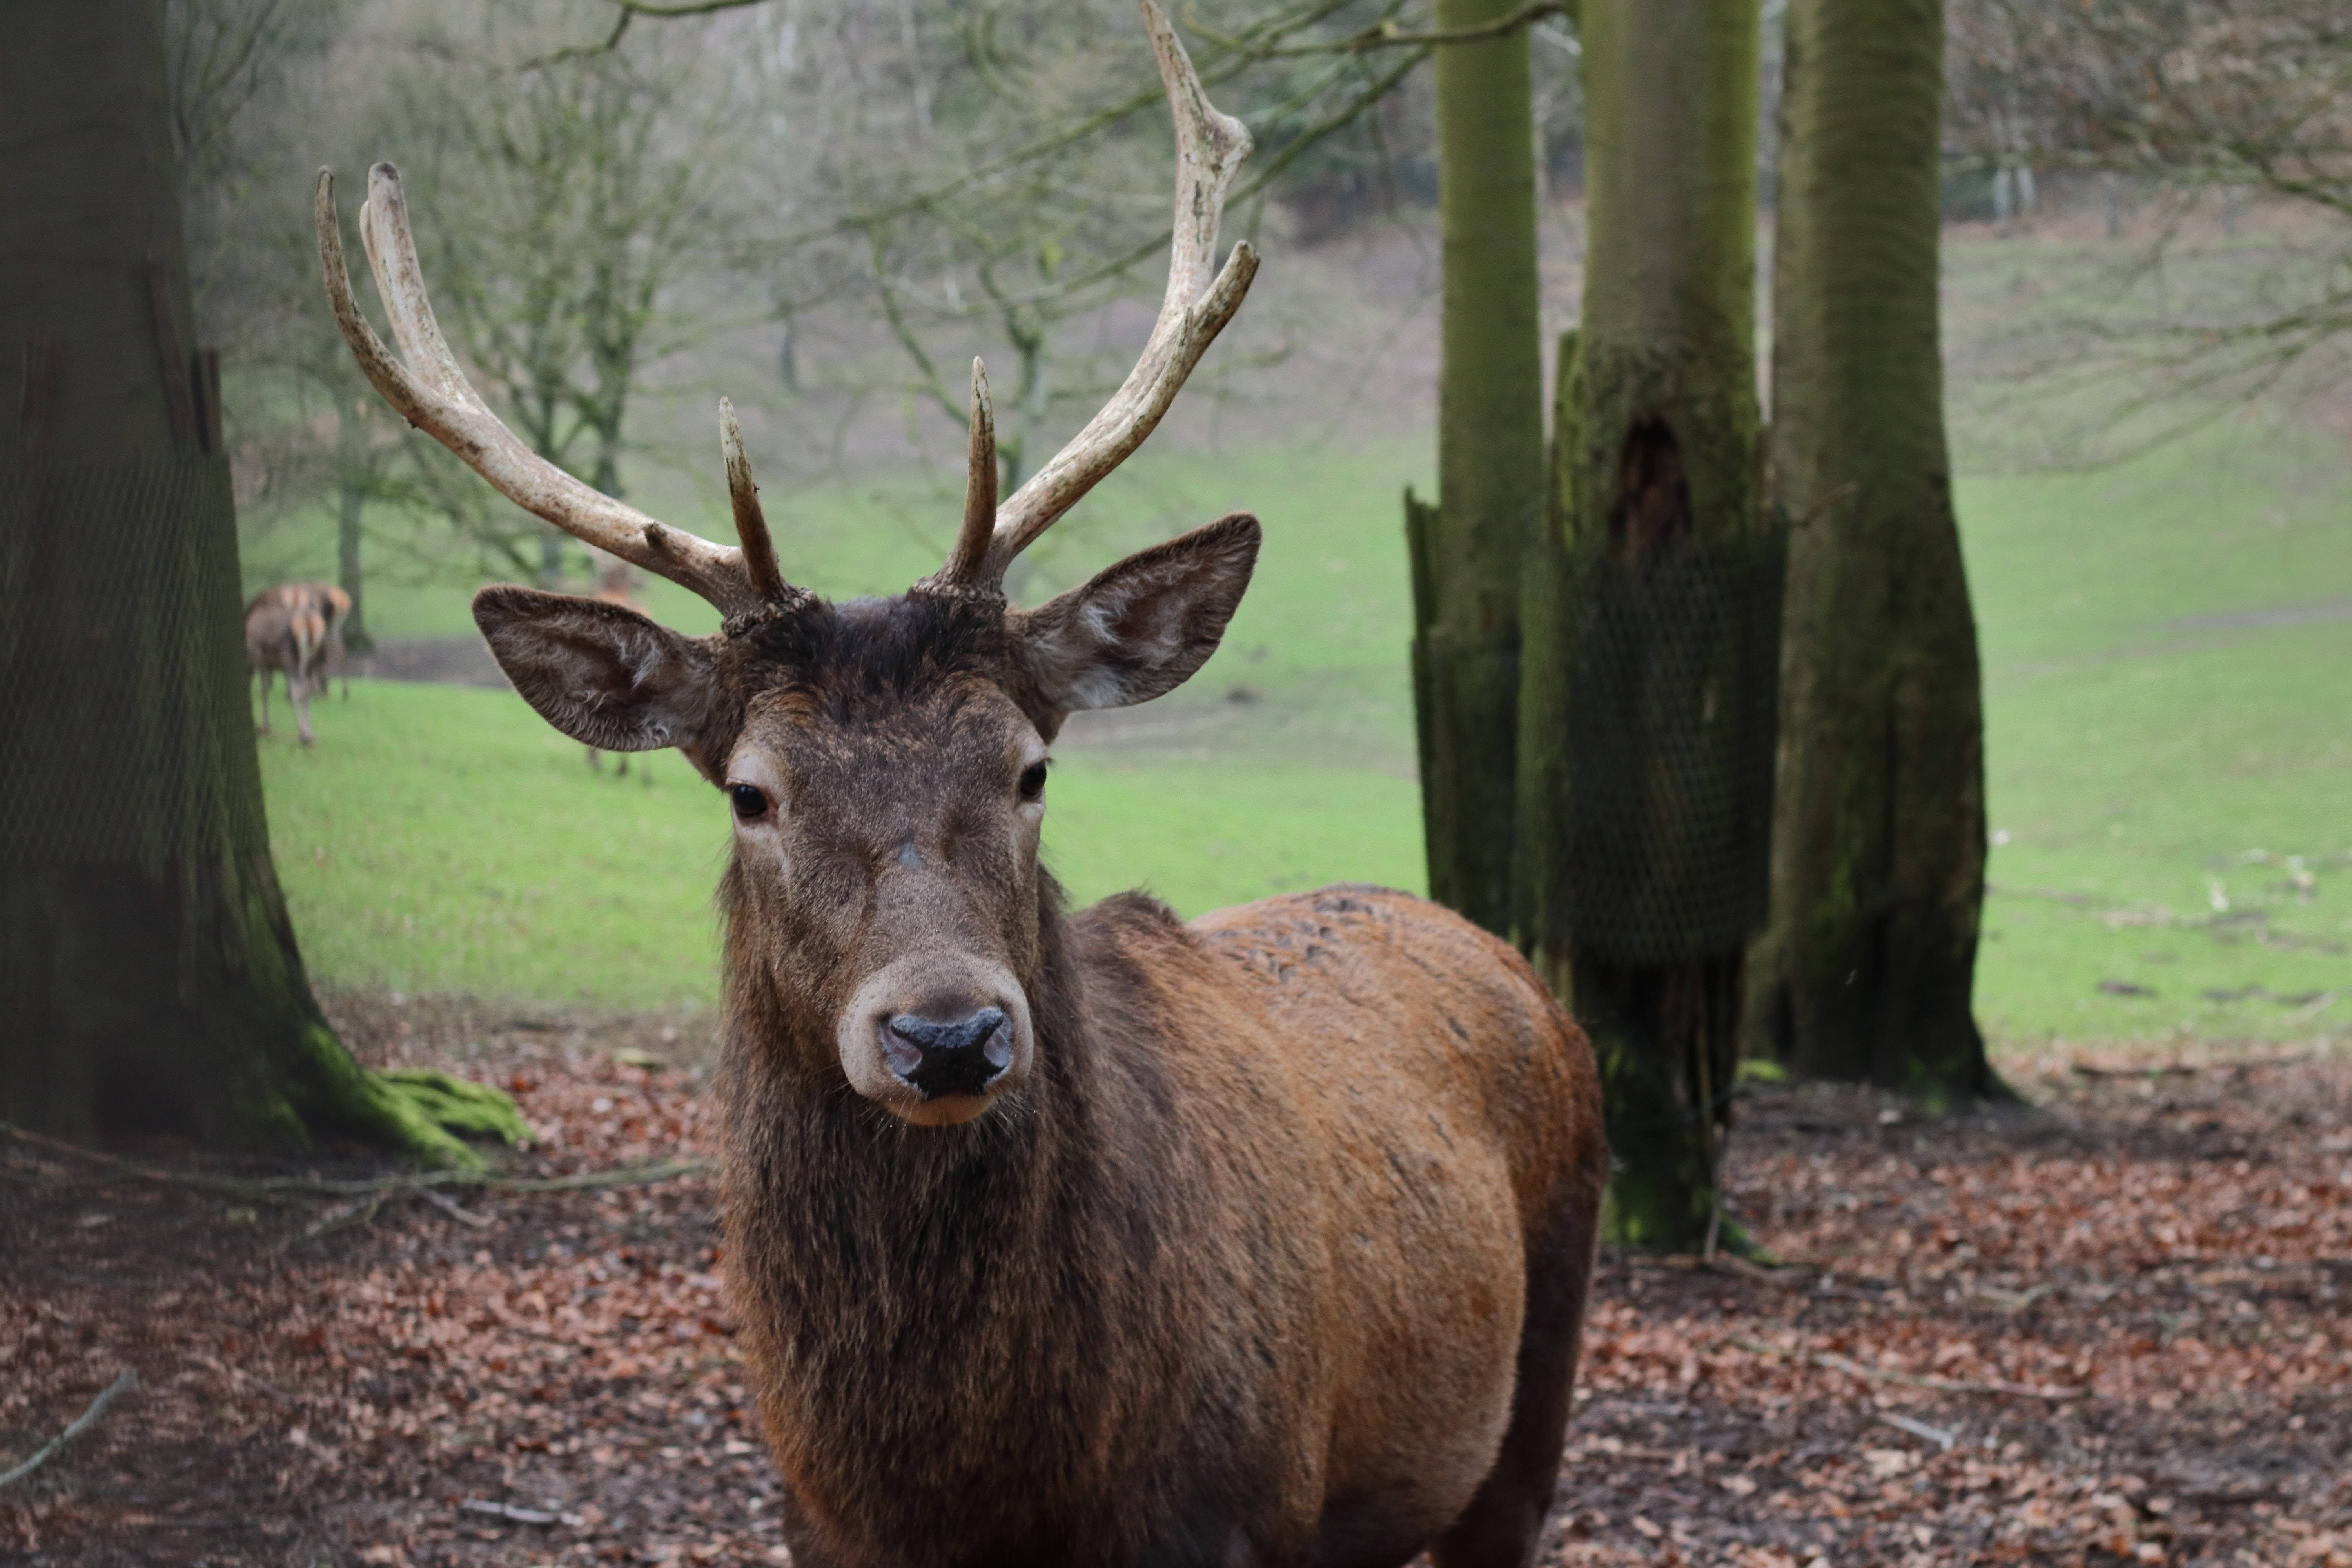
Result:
{"points": [[969, 556], [1210, 147], [430, 392]]}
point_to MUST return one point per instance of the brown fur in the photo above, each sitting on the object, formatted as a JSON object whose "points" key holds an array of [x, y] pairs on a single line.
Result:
{"points": [[617, 583], [1269, 1246], [297, 628]]}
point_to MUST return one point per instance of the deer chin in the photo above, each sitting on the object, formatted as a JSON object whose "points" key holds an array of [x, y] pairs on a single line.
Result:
{"points": [[937, 1041]]}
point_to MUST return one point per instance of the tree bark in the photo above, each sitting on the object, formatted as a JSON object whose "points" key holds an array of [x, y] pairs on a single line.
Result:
{"points": [[1867, 970], [1469, 551], [351, 510], [149, 977], [1652, 609]]}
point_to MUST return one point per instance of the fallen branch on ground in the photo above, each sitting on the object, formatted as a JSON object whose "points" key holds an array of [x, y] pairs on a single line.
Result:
{"points": [[233, 1376], [129, 1380], [356, 1213], [2188, 1069], [1786, 1275], [1935, 1435], [1836, 1362], [508, 1510], [278, 1187], [447, 1205], [2013, 1300]]}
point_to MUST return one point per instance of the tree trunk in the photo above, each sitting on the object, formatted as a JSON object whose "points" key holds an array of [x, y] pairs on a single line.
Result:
{"points": [[1879, 838], [608, 462], [351, 508], [149, 978], [1469, 551], [1652, 609]]}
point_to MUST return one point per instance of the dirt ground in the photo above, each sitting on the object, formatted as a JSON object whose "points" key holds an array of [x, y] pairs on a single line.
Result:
{"points": [[2110, 1328]]}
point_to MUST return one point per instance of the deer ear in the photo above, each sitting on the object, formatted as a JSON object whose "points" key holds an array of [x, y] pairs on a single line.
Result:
{"points": [[1139, 629], [603, 674]]}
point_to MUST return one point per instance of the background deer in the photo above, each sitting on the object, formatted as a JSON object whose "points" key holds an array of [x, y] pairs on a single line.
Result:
{"points": [[297, 628], [1092, 1238]]}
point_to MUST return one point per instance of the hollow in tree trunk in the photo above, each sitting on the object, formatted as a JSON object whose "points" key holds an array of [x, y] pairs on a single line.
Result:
{"points": [[1653, 611]]}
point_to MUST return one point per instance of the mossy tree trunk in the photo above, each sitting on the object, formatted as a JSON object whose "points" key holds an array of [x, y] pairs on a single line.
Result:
{"points": [[1469, 550], [1867, 970], [1653, 611], [149, 977]]}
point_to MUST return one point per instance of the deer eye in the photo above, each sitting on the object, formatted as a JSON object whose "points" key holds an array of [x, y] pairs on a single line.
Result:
{"points": [[750, 802], [1032, 782]]}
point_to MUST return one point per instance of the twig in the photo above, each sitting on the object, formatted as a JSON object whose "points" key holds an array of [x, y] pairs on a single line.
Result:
{"points": [[2014, 1301], [623, 1176], [1945, 1384], [236, 1374], [1935, 1435], [123, 1384], [2189, 1069], [2234, 1497], [1910, 1379], [1783, 1275], [682, 8], [508, 1510], [1387, 35], [350, 1214], [462, 1215], [267, 1387], [2304, 1015]]}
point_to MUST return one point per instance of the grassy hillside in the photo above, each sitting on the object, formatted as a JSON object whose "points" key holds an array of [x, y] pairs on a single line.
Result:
{"points": [[2167, 652], [2168, 675]]}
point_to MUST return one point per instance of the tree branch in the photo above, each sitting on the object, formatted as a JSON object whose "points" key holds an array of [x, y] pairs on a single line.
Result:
{"points": [[120, 1385], [317, 1186], [1386, 34]]}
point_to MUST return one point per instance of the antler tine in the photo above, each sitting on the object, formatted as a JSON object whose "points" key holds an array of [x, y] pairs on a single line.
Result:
{"points": [[1209, 148], [430, 392], [750, 523], [970, 556]]}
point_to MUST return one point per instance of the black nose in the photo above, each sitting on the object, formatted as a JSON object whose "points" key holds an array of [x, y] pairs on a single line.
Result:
{"points": [[958, 1057]]}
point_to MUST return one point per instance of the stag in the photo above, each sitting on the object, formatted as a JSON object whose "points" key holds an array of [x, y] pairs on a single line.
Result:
{"points": [[297, 628], [1065, 1238]]}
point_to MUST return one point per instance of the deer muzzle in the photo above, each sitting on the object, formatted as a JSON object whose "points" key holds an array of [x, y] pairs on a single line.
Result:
{"points": [[936, 1038]]}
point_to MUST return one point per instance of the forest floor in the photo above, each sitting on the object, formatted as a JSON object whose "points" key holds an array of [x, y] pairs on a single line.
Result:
{"points": [[2110, 1327]]}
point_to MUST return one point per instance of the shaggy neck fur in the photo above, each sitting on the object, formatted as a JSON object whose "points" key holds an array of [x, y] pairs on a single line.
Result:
{"points": [[1000, 1279]]}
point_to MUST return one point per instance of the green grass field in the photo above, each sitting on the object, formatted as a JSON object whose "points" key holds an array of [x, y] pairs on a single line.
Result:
{"points": [[2144, 746], [2169, 684]]}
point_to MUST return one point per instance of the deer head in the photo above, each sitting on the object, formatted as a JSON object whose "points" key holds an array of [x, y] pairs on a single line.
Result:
{"points": [[884, 759]]}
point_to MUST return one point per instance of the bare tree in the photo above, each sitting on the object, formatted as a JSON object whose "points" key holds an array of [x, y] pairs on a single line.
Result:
{"points": [[988, 181], [249, 82], [2191, 100], [902, 184], [566, 198]]}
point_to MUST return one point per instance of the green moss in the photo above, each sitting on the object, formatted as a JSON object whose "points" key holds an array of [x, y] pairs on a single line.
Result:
{"points": [[335, 1095], [460, 1105]]}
